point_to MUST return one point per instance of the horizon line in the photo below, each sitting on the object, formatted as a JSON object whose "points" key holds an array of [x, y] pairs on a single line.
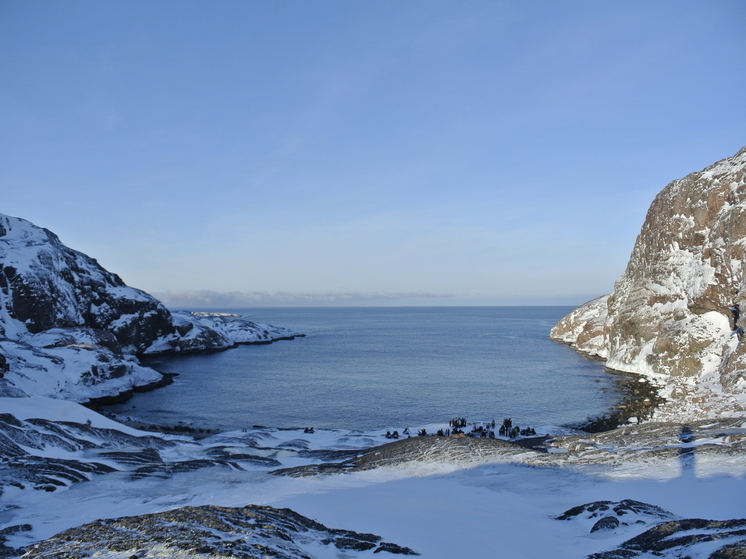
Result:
{"points": [[206, 299]]}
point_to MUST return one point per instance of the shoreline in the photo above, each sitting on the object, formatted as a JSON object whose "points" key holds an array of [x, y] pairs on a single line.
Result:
{"points": [[167, 378], [639, 400]]}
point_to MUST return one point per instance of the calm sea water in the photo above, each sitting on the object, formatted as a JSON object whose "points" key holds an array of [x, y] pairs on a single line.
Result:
{"points": [[370, 368]]}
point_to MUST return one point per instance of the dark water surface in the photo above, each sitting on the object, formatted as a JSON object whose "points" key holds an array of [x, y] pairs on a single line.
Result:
{"points": [[369, 368]]}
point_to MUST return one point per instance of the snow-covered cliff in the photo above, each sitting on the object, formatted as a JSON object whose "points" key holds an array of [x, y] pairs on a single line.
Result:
{"points": [[70, 329], [670, 315]]}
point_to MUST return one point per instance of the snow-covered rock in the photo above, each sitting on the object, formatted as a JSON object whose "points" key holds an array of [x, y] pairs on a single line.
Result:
{"points": [[691, 537], [70, 329], [669, 316], [64, 466], [198, 331], [44, 285], [583, 328], [79, 372]]}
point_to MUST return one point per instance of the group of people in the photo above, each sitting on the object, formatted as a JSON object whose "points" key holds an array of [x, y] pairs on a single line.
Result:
{"points": [[507, 429]]}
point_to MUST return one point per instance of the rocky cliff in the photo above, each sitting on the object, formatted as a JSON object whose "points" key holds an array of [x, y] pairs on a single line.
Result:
{"points": [[70, 329], [670, 316]]}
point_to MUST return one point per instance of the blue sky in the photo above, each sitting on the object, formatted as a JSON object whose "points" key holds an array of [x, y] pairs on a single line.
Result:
{"points": [[362, 152]]}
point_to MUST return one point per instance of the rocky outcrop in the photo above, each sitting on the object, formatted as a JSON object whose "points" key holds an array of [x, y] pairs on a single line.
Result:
{"points": [[666, 535], [195, 332], [692, 537], [82, 450], [414, 450], [583, 328], [70, 329], [669, 316], [608, 515], [79, 371], [250, 532]]}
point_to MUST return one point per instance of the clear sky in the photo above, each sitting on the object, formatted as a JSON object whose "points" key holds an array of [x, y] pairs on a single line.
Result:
{"points": [[366, 151]]}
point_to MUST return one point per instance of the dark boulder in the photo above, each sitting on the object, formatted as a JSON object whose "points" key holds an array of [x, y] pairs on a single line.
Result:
{"points": [[606, 523]]}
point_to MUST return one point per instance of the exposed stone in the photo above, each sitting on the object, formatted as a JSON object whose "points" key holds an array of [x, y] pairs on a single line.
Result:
{"points": [[415, 449], [606, 523], [583, 328], [630, 510]]}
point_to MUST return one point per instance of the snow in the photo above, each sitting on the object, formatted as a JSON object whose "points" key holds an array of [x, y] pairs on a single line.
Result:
{"points": [[496, 506], [502, 510], [67, 372], [60, 410]]}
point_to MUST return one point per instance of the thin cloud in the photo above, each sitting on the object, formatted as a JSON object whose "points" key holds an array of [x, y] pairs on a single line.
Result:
{"points": [[222, 299]]}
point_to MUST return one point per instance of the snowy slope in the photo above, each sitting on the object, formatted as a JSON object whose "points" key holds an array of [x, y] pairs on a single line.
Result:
{"points": [[669, 316]]}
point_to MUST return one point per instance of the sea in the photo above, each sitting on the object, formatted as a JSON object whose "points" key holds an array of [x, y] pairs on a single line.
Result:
{"points": [[373, 368]]}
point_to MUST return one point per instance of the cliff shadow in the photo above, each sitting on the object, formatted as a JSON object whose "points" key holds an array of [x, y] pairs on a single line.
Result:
{"points": [[686, 452]]}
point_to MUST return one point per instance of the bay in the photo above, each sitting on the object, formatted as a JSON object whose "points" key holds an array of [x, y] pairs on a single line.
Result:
{"points": [[393, 367]]}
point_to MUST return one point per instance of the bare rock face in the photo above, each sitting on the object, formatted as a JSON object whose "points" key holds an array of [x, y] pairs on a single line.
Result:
{"points": [[669, 316]]}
